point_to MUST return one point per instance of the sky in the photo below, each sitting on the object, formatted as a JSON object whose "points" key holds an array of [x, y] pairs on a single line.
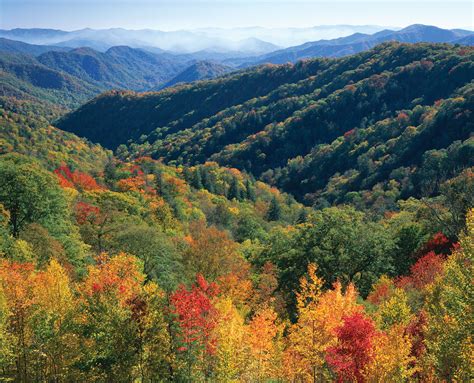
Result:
{"points": [[191, 14]]}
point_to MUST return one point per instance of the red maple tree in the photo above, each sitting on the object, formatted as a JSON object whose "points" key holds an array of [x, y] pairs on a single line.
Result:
{"points": [[353, 350], [195, 313]]}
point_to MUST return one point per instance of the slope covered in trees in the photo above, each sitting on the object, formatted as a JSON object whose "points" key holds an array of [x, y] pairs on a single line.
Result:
{"points": [[201, 70], [322, 129], [142, 272], [25, 128], [22, 77], [119, 67]]}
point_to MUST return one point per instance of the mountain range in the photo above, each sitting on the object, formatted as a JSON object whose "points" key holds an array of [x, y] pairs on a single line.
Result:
{"points": [[51, 72], [359, 42], [253, 40], [321, 127]]}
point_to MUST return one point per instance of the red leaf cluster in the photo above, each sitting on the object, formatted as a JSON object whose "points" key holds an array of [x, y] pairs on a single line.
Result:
{"points": [[353, 350], [426, 269], [86, 212], [75, 179], [195, 313]]}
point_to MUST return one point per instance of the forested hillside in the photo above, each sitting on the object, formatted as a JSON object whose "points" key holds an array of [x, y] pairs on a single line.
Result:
{"points": [[201, 70], [153, 272], [119, 67], [22, 77], [297, 223], [325, 130]]}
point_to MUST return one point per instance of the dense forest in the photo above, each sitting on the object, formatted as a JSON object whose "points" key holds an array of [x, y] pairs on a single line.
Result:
{"points": [[290, 126], [288, 223]]}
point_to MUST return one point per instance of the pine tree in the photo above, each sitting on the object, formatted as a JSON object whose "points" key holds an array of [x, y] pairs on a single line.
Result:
{"points": [[274, 210], [250, 191], [234, 190], [303, 216], [207, 181], [197, 179]]}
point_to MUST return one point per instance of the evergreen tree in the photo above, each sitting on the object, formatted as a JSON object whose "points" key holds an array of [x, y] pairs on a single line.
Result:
{"points": [[274, 211], [197, 179], [234, 190], [207, 180], [303, 216], [250, 191]]}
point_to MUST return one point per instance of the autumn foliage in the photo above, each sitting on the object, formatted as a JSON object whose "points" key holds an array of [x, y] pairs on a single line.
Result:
{"points": [[76, 179]]}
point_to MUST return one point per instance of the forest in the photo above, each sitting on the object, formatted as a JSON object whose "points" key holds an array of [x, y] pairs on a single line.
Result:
{"points": [[316, 224]]}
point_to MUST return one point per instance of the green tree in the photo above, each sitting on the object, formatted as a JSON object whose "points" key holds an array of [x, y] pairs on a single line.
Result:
{"points": [[250, 191], [450, 317], [344, 245], [234, 190], [161, 259], [30, 194], [197, 179], [274, 210]]}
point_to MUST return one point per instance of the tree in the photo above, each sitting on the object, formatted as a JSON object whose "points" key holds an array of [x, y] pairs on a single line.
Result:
{"points": [[231, 346], [196, 317], [161, 259], [55, 345], [344, 245], [15, 280], [274, 210], [250, 191], [211, 252], [426, 269], [234, 190], [382, 290], [43, 245], [6, 341], [353, 351], [196, 180], [104, 213], [29, 193], [449, 312], [391, 359], [319, 314], [304, 354], [148, 310], [264, 339], [249, 227], [394, 311], [110, 325]]}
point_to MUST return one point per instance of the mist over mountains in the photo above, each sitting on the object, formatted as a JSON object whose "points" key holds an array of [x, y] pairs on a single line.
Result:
{"points": [[256, 40]]}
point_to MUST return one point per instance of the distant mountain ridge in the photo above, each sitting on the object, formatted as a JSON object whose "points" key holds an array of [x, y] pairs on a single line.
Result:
{"points": [[201, 70], [237, 40], [359, 42], [13, 46], [69, 76]]}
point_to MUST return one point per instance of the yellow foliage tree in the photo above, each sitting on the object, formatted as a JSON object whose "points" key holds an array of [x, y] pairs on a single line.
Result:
{"points": [[229, 335], [394, 311], [449, 305], [53, 303], [318, 315], [265, 346], [391, 361]]}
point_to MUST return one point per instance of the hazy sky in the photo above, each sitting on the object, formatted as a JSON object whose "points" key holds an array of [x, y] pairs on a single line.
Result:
{"points": [[186, 14]]}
